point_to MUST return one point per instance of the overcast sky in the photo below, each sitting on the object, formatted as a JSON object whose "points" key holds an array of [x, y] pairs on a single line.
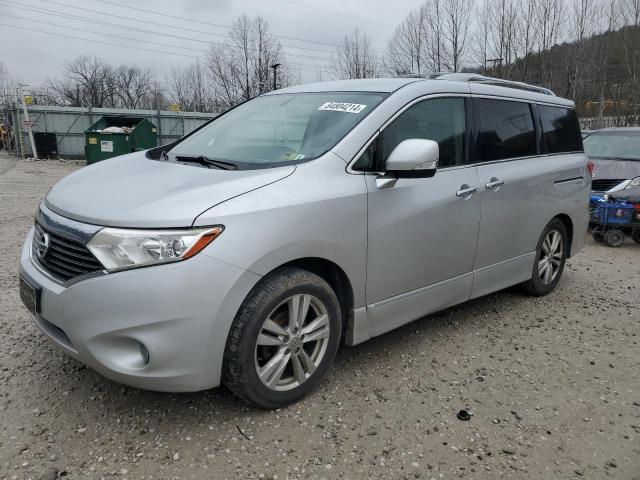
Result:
{"points": [[32, 55]]}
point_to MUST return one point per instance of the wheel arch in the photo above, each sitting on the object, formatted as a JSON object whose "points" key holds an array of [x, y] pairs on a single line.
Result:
{"points": [[337, 279], [568, 224]]}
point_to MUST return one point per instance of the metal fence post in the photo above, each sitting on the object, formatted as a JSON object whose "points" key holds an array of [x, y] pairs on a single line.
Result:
{"points": [[159, 127]]}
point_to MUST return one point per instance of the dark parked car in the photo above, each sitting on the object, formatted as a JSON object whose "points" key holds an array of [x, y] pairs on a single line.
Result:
{"points": [[615, 154]]}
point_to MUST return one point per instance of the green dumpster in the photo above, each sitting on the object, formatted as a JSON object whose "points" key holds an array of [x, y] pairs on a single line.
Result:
{"points": [[113, 136]]}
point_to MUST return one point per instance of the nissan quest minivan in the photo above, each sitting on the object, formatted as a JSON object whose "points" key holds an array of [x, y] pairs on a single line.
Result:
{"points": [[244, 253]]}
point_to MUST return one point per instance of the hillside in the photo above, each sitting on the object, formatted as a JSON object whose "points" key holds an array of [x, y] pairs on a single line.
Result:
{"points": [[605, 66]]}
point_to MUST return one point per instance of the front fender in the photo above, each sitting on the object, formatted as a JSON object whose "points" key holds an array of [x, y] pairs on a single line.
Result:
{"points": [[319, 211]]}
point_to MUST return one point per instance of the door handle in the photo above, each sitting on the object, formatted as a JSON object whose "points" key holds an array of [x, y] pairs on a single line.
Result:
{"points": [[494, 184], [466, 191]]}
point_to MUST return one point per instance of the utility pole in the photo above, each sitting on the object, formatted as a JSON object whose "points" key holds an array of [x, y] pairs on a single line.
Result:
{"points": [[275, 75], [18, 129], [27, 122]]}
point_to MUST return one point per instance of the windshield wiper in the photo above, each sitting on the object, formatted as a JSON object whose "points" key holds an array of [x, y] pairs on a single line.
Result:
{"points": [[203, 160]]}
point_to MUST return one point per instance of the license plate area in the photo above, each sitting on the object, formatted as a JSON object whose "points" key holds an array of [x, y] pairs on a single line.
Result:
{"points": [[30, 295]]}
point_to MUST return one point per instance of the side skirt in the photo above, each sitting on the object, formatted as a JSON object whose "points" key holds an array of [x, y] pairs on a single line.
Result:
{"points": [[391, 313], [383, 316], [502, 275]]}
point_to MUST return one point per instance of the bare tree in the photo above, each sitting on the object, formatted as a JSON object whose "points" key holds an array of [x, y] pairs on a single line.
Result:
{"points": [[7, 88], [432, 38], [355, 58], [607, 23], [406, 51], [481, 36], [87, 82], [631, 42], [190, 88], [433, 24], [133, 85], [242, 70], [418, 44], [90, 82], [516, 39], [157, 99], [95, 78], [455, 27], [525, 39], [582, 24], [61, 92], [550, 16], [503, 17]]}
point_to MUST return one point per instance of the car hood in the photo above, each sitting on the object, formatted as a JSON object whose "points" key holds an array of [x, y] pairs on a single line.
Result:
{"points": [[610, 168], [135, 191]]}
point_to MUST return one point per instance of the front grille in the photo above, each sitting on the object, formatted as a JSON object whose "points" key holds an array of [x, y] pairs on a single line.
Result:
{"points": [[604, 184], [64, 259]]}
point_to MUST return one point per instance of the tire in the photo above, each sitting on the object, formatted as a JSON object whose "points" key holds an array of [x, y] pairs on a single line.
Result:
{"points": [[542, 282], [291, 364], [597, 235], [614, 237], [636, 235]]}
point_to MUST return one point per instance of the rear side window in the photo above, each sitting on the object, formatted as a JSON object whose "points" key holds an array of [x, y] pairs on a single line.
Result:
{"points": [[560, 129], [505, 129]]}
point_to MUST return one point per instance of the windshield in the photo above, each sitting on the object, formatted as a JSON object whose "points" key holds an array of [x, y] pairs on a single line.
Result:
{"points": [[279, 129], [621, 144]]}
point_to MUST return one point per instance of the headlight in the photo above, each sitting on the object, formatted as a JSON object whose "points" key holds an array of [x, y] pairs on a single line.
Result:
{"points": [[634, 183], [120, 248]]}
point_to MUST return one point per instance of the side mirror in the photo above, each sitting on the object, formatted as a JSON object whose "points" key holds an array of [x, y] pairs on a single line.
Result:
{"points": [[414, 158]]}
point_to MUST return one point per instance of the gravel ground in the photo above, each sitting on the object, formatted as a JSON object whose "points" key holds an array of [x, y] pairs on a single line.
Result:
{"points": [[552, 384]]}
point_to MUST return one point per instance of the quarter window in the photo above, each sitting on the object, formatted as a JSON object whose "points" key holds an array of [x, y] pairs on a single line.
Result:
{"points": [[561, 129], [505, 130]]}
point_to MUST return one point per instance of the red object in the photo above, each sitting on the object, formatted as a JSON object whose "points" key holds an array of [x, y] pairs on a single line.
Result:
{"points": [[590, 167]]}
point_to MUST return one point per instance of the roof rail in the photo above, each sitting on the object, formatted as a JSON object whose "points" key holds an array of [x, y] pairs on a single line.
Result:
{"points": [[474, 77], [428, 76]]}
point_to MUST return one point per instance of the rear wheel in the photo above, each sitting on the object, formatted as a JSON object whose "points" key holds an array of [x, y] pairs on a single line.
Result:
{"points": [[614, 237], [283, 339], [551, 255], [597, 234]]}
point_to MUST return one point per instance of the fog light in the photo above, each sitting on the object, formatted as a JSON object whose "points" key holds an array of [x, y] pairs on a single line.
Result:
{"points": [[120, 353]]}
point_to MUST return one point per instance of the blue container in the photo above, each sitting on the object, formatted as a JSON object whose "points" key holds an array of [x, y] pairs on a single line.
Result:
{"points": [[611, 213]]}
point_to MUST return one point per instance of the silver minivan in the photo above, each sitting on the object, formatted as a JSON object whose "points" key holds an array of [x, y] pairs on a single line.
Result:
{"points": [[244, 253]]}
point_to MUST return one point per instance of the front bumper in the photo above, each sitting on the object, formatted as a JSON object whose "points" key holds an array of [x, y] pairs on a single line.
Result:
{"points": [[180, 312]]}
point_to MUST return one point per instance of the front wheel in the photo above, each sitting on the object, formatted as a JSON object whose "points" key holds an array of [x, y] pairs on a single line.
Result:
{"points": [[551, 255], [283, 339]]}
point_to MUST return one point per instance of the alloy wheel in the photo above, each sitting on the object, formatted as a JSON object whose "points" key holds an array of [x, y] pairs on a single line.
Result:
{"points": [[550, 258], [292, 342]]}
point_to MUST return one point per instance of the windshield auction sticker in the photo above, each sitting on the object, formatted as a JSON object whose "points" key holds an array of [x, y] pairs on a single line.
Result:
{"points": [[343, 107]]}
